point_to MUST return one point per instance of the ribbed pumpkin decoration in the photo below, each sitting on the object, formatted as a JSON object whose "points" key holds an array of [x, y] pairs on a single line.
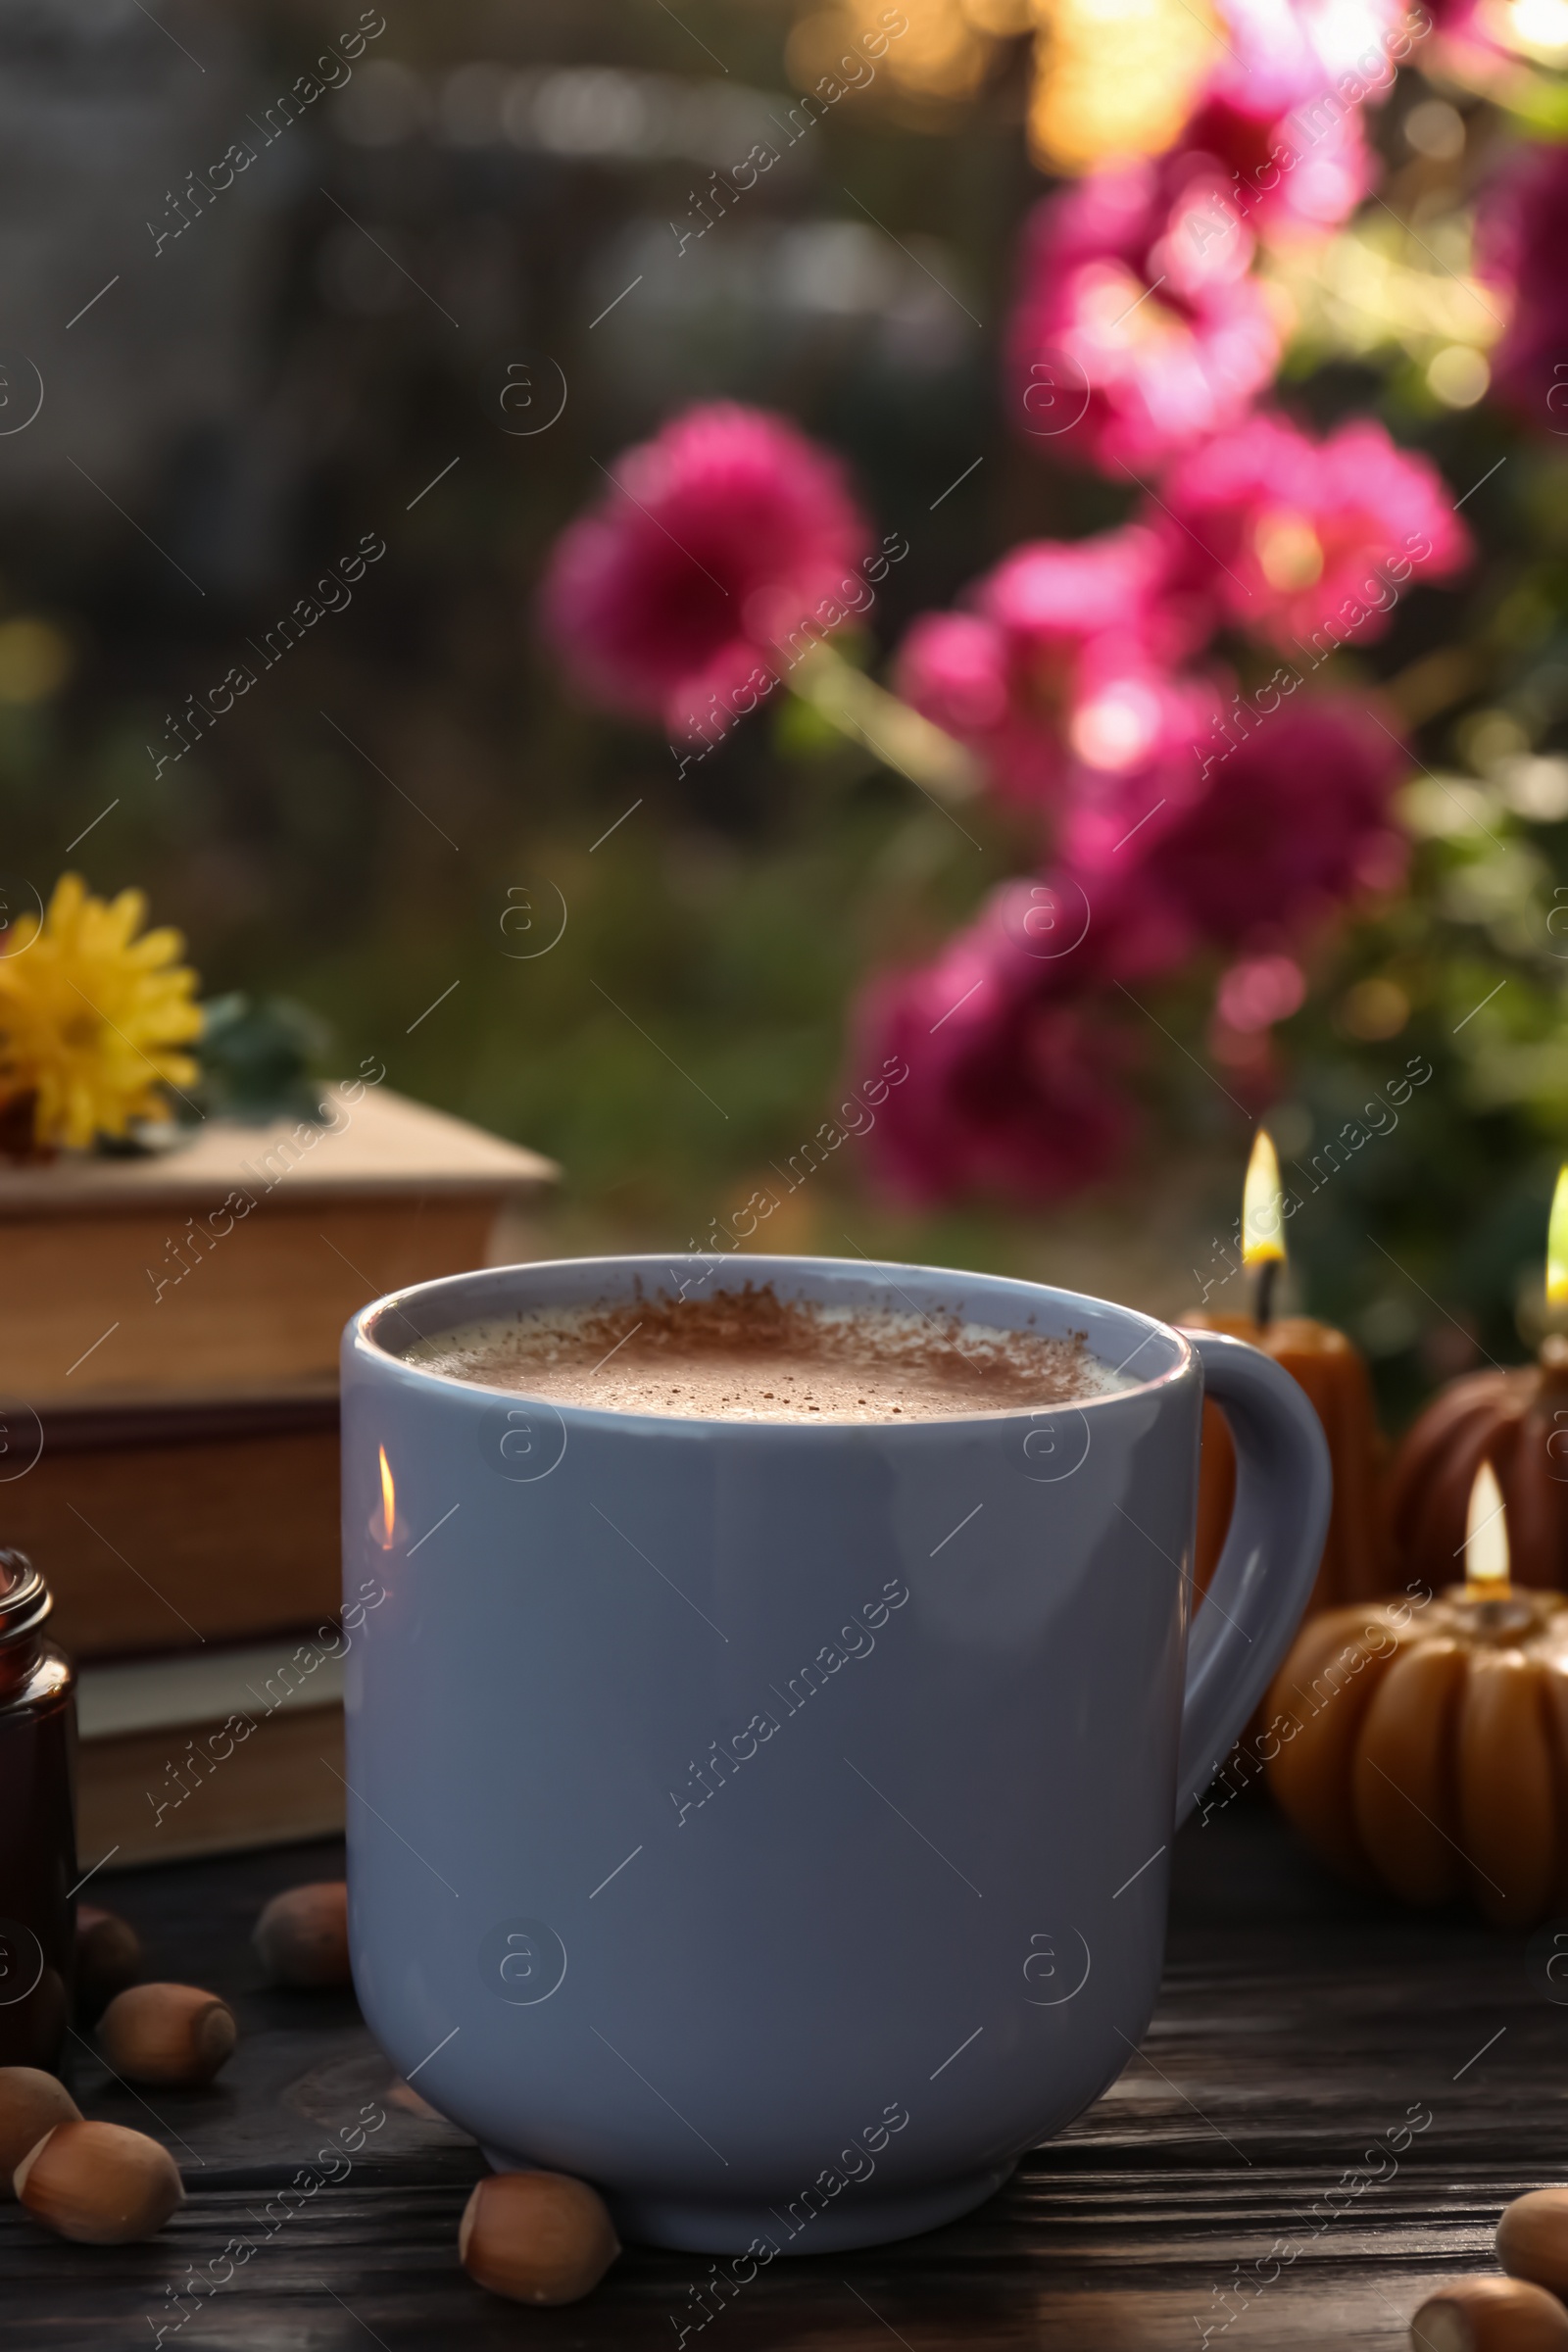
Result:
{"points": [[1422, 1744], [1517, 1420]]}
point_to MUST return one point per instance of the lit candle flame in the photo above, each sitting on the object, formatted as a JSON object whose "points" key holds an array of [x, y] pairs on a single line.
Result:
{"points": [[1486, 1534], [1262, 1205], [389, 1502], [1557, 1243]]}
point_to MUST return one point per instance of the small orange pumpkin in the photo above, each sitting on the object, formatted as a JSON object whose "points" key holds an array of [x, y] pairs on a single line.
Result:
{"points": [[1517, 1420], [1423, 1747]]}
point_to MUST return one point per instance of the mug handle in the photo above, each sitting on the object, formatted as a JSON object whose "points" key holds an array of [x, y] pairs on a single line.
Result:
{"points": [[1264, 1578]]}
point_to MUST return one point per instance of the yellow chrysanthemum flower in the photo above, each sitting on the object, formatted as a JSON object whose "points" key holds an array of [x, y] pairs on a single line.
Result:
{"points": [[89, 1015]]}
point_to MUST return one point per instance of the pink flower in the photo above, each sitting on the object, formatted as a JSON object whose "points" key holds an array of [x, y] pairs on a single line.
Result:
{"points": [[723, 546], [1126, 713], [1280, 53], [1062, 655], [1060, 594], [1153, 325], [1292, 536], [1296, 174], [1014, 1037], [954, 666], [959, 671], [1522, 240], [1012, 1089], [1361, 43], [1269, 63], [1104, 807], [1250, 849]]}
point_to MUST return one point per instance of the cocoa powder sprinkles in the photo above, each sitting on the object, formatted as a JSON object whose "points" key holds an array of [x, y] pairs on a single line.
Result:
{"points": [[748, 1355]]}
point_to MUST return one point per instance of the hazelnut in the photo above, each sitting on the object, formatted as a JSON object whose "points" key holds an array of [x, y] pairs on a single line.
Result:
{"points": [[30, 2104], [166, 2033], [301, 1938], [1491, 2315], [108, 1958], [1533, 2239], [99, 2183], [537, 2238]]}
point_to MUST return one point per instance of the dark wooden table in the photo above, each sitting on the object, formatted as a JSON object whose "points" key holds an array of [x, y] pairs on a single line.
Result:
{"points": [[1300, 2025]]}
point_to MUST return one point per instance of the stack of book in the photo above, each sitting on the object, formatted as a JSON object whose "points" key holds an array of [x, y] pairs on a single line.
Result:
{"points": [[169, 1439]]}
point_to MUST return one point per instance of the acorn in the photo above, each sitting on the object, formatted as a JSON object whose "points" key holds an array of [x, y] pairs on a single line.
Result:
{"points": [[108, 1958], [1491, 2315], [99, 2183], [536, 2237], [31, 2103], [1533, 2239], [301, 1938], [166, 2033]]}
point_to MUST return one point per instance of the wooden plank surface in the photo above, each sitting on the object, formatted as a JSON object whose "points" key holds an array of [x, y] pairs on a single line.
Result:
{"points": [[1299, 2024], [377, 1141]]}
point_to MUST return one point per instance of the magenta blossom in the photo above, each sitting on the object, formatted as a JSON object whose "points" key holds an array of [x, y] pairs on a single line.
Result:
{"points": [[1064, 656], [959, 671], [1014, 1035], [1059, 596], [1300, 174], [1250, 847], [1280, 55], [1143, 319], [1293, 537], [723, 548], [1013, 1084], [1522, 240]]}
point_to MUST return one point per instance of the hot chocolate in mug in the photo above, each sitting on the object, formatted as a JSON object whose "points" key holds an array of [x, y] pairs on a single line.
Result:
{"points": [[769, 1823]]}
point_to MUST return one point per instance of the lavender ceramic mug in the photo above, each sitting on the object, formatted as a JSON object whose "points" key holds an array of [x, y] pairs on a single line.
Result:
{"points": [[770, 1822]]}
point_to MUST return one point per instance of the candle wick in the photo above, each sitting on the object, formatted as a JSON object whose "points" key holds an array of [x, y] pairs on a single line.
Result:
{"points": [[1267, 1276]]}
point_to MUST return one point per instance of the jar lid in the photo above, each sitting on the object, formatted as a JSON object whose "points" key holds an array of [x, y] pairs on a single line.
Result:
{"points": [[25, 1600]]}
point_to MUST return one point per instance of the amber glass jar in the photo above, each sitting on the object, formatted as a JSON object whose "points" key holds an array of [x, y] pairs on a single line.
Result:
{"points": [[37, 1823]]}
